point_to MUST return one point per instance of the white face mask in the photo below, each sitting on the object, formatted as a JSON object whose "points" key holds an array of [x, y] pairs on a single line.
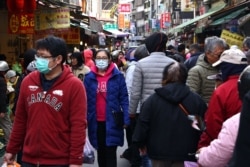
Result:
{"points": [[102, 64]]}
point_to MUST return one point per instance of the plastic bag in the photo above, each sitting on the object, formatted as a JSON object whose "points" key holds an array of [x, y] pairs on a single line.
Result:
{"points": [[190, 164], [88, 153]]}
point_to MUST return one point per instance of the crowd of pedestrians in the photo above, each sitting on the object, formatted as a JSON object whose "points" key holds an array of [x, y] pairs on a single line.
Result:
{"points": [[158, 94]]}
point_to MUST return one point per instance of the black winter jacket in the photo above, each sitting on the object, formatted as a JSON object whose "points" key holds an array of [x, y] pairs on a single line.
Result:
{"points": [[3, 95], [164, 128]]}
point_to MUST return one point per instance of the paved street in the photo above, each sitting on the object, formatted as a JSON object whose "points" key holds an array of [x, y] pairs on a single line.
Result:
{"points": [[121, 162]]}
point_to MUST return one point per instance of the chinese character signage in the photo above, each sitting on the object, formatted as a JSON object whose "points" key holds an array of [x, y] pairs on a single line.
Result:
{"points": [[232, 38], [52, 19], [70, 35], [21, 23], [124, 8]]}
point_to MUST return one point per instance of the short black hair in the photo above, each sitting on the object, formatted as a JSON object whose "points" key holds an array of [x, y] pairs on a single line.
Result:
{"points": [[181, 47], [105, 51], [55, 45], [79, 58]]}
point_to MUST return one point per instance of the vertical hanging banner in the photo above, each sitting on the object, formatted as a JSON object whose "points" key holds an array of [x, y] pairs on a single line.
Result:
{"points": [[52, 19], [121, 22], [21, 23]]}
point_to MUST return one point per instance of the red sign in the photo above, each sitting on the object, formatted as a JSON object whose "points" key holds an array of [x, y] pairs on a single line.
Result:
{"points": [[124, 8], [21, 23], [165, 18]]}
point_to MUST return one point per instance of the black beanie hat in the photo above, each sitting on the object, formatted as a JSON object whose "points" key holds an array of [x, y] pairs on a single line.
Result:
{"points": [[244, 82], [156, 42]]}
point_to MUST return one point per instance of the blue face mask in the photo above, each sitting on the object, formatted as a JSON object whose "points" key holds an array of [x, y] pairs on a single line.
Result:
{"points": [[42, 65], [102, 64]]}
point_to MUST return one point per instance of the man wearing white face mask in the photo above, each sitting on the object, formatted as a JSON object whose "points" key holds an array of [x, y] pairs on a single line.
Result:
{"points": [[107, 97], [50, 117]]}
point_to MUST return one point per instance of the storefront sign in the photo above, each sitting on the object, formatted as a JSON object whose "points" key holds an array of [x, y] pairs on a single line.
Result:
{"points": [[21, 23], [232, 38], [165, 20], [70, 35], [124, 8], [52, 19], [121, 21]]}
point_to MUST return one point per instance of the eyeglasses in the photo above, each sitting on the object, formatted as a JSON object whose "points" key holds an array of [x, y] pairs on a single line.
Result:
{"points": [[42, 56], [98, 58]]}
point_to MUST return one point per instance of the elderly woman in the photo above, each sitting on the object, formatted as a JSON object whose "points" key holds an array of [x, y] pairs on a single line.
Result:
{"points": [[163, 129]]}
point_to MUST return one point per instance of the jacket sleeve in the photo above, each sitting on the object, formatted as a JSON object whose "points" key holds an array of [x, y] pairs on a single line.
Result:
{"points": [[78, 123], [142, 126], [124, 102], [220, 151], [194, 80], [242, 146], [18, 132], [136, 90], [214, 119]]}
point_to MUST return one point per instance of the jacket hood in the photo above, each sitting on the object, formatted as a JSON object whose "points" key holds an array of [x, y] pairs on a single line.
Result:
{"points": [[35, 75], [88, 54], [173, 92]]}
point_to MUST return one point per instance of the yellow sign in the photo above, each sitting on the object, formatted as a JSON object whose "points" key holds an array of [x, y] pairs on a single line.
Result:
{"points": [[52, 19], [232, 38]]}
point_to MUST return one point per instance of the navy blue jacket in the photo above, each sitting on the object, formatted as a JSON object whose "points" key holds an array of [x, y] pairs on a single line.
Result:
{"points": [[117, 97]]}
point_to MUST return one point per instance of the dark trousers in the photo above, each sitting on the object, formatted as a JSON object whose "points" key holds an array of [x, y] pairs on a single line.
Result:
{"points": [[25, 164], [106, 155]]}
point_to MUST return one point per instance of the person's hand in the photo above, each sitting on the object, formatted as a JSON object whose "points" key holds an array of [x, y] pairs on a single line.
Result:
{"points": [[2, 114], [9, 158], [143, 150], [72, 165]]}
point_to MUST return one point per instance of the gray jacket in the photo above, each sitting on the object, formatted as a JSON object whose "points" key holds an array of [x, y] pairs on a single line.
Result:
{"points": [[197, 78], [147, 77]]}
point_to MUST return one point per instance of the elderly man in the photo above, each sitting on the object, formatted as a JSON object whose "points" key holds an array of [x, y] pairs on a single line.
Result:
{"points": [[197, 76]]}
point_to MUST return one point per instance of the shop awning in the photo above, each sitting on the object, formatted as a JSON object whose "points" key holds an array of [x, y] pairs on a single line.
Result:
{"points": [[228, 17], [180, 27], [116, 33]]}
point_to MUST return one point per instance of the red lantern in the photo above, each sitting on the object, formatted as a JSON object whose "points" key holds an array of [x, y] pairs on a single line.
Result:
{"points": [[15, 6], [11, 6], [29, 6]]}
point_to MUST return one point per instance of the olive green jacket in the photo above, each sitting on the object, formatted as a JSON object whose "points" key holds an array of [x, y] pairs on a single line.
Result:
{"points": [[197, 78]]}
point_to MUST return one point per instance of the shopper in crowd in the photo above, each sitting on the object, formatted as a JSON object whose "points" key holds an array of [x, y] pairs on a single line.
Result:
{"points": [[163, 129], [242, 147], [148, 71], [248, 57], [180, 55], [5, 122], [88, 58], [195, 52], [107, 108], [246, 44], [220, 150], [78, 67], [225, 101], [50, 130], [197, 76], [12, 79], [132, 153]]}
